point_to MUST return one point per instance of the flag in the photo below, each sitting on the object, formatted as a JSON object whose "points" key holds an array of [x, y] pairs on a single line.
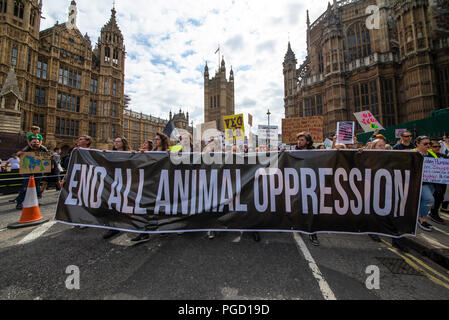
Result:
{"points": [[217, 50], [170, 130]]}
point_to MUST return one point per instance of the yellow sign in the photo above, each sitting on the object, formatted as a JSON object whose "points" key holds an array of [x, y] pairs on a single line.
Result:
{"points": [[234, 127]]}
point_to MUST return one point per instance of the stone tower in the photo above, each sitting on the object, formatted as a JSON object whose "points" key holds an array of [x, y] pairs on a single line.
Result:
{"points": [[218, 95]]}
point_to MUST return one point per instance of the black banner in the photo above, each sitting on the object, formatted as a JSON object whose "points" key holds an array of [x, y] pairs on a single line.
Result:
{"points": [[307, 191]]}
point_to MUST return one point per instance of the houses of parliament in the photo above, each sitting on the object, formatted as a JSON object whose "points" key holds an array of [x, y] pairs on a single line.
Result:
{"points": [[56, 80], [392, 60]]}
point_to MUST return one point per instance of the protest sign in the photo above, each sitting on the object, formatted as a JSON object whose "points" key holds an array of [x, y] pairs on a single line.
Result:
{"points": [[334, 191], [292, 126], [234, 127], [345, 132], [367, 121], [268, 132], [35, 162], [436, 171]]}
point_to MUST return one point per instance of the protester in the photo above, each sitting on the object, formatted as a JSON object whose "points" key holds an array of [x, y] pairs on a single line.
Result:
{"points": [[445, 145], [84, 142], [440, 189], [305, 142], [406, 142], [120, 144], [15, 163], [161, 142], [35, 144], [427, 199], [147, 146]]}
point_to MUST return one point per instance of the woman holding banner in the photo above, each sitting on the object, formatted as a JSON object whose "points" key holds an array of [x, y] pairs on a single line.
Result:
{"points": [[161, 143], [120, 144], [305, 142]]}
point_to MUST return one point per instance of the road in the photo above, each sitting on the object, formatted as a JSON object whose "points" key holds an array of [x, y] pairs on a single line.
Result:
{"points": [[283, 266]]}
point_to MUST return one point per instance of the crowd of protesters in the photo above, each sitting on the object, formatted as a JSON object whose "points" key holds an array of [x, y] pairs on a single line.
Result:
{"points": [[432, 196]]}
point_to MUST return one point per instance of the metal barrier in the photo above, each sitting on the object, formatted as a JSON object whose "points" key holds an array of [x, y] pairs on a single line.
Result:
{"points": [[10, 182]]}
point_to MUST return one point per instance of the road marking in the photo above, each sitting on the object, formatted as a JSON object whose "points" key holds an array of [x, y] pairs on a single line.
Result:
{"points": [[3, 229], [438, 229], [36, 233], [418, 268], [433, 242], [324, 286]]}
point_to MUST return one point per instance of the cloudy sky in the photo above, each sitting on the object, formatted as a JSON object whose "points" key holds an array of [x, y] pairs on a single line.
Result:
{"points": [[169, 41]]}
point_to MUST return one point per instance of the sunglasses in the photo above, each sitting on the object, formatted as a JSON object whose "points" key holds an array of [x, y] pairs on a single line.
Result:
{"points": [[426, 144], [437, 146], [406, 136]]}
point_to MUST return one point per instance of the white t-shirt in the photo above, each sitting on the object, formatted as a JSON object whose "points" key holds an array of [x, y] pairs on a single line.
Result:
{"points": [[15, 163]]}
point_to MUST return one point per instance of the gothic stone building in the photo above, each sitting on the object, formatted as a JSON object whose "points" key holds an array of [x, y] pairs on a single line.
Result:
{"points": [[398, 69], [218, 95], [64, 85]]}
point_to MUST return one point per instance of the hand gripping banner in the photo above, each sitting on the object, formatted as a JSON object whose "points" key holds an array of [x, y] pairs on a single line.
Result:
{"points": [[374, 192]]}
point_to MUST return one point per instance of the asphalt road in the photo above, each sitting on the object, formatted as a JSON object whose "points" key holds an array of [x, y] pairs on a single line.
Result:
{"points": [[34, 261]]}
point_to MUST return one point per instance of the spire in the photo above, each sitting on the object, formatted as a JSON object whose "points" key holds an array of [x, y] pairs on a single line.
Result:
{"points": [[290, 55], [11, 85], [73, 12], [308, 20], [112, 25], [206, 71], [223, 64]]}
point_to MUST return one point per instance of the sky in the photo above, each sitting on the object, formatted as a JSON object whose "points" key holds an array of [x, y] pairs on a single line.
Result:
{"points": [[169, 41]]}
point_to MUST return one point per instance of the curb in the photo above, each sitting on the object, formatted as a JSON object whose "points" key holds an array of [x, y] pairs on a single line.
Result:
{"points": [[439, 256]]}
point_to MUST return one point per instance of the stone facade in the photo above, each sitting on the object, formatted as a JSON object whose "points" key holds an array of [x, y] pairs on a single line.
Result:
{"points": [[396, 66], [68, 88], [218, 95], [139, 127]]}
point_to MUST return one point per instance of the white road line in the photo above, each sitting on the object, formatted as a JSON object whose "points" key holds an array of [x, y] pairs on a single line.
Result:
{"points": [[36, 233], [324, 286], [442, 231]]}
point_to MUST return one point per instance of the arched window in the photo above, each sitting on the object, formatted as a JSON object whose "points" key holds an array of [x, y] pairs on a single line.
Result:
{"points": [[33, 18], [18, 9], [3, 6], [358, 40], [115, 57], [107, 54]]}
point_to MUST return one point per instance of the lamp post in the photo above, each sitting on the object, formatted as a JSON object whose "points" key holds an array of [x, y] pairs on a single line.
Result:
{"points": [[268, 130]]}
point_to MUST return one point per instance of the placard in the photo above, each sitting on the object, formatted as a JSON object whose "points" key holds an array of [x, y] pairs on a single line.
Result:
{"points": [[345, 132], [436, 171], [367, 121], [234, 127], [35, 162], [292, 126]]}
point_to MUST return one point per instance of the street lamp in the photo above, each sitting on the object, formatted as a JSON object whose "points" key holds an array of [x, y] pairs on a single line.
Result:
{"points": [[268, 129]]}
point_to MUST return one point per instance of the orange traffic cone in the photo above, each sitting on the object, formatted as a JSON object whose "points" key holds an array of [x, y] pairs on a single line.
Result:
{"points": [[31, 215]]}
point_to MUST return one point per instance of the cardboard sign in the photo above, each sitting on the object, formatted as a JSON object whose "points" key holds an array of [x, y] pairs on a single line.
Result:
{"points": [[345, 132], [234, 127], [367, 121], [436, 171], [35, 162], [250, 120], [292, 126], [267, 132]]}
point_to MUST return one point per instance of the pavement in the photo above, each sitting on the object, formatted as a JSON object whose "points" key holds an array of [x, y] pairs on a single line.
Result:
{"points": [[434, 244]]}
